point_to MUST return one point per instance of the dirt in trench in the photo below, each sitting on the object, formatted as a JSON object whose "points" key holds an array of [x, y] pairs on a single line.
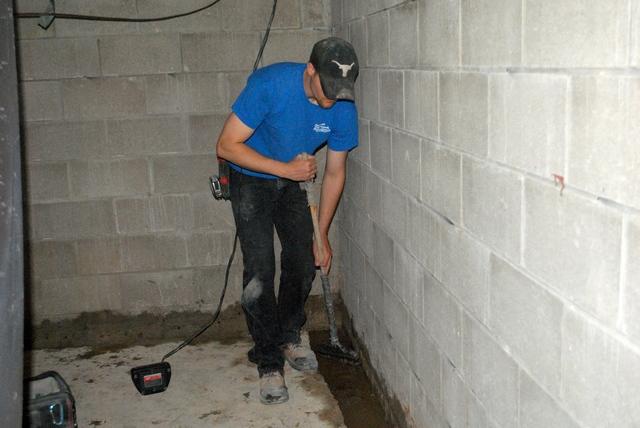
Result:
{"points": [[351, 387]]}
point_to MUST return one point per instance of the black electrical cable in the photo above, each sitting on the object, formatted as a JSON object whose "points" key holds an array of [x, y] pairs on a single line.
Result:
{"points": [[235, 239], [111, 18]]}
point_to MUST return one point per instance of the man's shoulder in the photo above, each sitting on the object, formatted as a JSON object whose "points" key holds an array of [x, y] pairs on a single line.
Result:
{"points": [[280, 71]]}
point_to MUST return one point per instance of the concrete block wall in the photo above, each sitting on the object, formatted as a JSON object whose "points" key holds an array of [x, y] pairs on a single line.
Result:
{"points": [[491, 221], [120, 122]]}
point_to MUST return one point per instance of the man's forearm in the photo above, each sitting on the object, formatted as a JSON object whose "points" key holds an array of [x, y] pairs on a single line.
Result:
{"points": [[245, 157], [332, 186]]}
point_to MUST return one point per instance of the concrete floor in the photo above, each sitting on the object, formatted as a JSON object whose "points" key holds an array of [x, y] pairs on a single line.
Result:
{"points": [[212, 384]]}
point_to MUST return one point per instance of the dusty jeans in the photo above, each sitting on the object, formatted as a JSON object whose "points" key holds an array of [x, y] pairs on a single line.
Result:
{"points": [[259, 205]]}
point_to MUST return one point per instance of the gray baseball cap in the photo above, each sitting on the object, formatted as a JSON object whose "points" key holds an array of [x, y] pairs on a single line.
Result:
{"points": [[336, 62]]}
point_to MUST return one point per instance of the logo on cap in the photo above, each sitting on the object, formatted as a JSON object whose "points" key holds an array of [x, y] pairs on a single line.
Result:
{"points": [[343, 67]]}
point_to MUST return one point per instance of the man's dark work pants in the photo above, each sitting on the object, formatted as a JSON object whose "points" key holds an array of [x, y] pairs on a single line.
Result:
{"points": [[259, 205]]}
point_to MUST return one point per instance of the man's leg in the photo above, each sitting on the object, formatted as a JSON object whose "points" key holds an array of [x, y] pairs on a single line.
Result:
{"points": [[295, 230], [252, 201]]}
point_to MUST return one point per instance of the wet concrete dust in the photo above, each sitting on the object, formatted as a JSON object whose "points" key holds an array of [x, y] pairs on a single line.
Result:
{"points": [[350, 387]]}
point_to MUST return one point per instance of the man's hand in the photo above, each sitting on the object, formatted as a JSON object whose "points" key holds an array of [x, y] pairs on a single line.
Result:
{"points": [[324, 260], [301, 168]]}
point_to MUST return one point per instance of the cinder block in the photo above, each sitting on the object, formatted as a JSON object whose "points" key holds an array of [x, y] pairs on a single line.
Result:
{"points": [[386, 358], [68, 220], [145, 291], [491, 205], [403, 34], [186, 93], [604, 121], [74, 28], [51, 259], [539, 410], [373, 187], [363, 151], [408, 281], [252, 15], [421, 103], [380, 149], [443, 320], [476, 413], [58, 58], [355, 276], [98, 256], [423, 412], [95, 179], [635, 34], [316, 14], [368, 101], [439, 32], [235, 84], [358, 39], [422, 235], [396, 320], [292, 45], [209, 248], [405, 162], [49, 141], [47, 181], [103, 98], [41, 100], [146, 136], [209, 213], [68, 297], [219, 51], [463, 99], [374, 292], [337, 17], [394, 212], [349, 10], [140, 54], [576, 33], [454, 395], [574, 244], [383, 254], [377, 39], [441, 180], [490, 374], [629, 322], [154, 214], [599, 375], [206, 20], [402, 386], [527, 121], [209, 281], [180, 174], [153, 252], [463, 269], [491, 32], [392, 108], [527, 319], [425, 361], [361, 229]]}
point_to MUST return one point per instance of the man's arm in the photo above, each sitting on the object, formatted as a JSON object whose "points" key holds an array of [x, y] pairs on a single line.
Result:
{"points": [[231, 146], [332, 186]]}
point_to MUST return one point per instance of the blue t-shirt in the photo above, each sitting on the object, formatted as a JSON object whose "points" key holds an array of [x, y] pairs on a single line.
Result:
{"points": [[285, 122]]}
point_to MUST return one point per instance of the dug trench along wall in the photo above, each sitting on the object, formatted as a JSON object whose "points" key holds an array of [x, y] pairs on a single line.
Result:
{"points": [[491, 228]]}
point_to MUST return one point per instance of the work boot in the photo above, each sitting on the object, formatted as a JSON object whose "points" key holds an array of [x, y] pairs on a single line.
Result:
{"points": [[272, 388], [300, 357]]}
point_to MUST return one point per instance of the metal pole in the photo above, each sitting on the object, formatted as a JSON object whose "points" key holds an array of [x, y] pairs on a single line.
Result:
{"points": [[11, 236]]}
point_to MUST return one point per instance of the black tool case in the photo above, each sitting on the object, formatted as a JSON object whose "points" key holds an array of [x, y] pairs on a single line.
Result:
{"points": [[49, 402]]}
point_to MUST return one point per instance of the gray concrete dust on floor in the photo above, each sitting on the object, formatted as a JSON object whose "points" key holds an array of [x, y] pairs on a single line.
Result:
{"points": [[212, 384]]}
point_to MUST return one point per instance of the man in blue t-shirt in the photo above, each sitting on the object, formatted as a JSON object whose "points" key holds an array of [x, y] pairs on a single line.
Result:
{"points": [[285, 110]]}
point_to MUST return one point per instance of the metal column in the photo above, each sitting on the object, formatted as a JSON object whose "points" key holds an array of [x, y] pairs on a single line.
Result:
{"points": [[11, 236]]}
